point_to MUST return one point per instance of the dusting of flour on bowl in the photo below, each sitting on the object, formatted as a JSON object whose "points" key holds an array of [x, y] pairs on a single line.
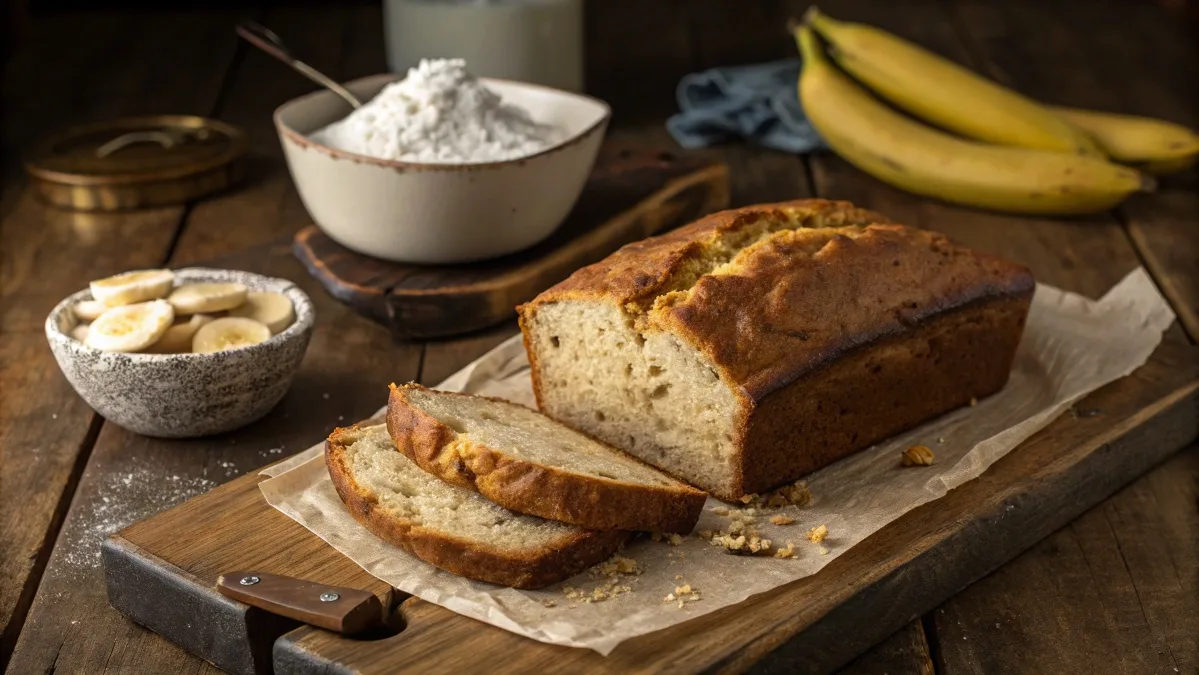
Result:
{"points": [[439, 113]]}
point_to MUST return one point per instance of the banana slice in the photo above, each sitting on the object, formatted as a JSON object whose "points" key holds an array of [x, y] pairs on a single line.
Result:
{"points": [[273, 309], [178, 338], [131, 287], [231, 332], [89, 310], [79, 332], [207, 297], [131, 328]]}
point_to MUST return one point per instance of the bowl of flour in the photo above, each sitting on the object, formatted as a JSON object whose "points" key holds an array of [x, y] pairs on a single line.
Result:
{"points": [[440, 166]]}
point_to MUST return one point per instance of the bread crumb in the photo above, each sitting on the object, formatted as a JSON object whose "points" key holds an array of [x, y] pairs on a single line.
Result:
{"points": [[796, 494], [616, 565], [941, 440], [747, 543], [678, 577], [549, 603], [823, 551], [748, 499], [655, 535], [721, 510], [817, 534], [973, 401], [780, 519], [676, 540], [787, 551], [917, 455], [706, 534], [682, 595]]}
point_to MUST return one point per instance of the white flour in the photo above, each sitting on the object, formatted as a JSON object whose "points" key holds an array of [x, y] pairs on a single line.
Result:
{"points": [[440, 114]]}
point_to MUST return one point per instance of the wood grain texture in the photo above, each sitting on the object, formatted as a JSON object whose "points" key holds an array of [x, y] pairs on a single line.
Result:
{"points": [[1097, 66], [825, 620], [906, 652], [1113, 592], [633, 192], [45, 429], [71, 627]]}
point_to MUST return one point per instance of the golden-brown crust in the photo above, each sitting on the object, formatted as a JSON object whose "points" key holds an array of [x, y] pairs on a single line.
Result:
{"points": [[804, 298], [640, 271], [590, 502], [460, 556]]}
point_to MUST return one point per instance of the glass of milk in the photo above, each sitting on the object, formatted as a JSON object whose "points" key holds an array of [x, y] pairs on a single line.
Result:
{"points": [[537, 41]]}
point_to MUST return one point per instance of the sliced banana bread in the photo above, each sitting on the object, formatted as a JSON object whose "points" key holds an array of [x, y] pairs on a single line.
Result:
{"points": [[527, 462], [760, 344], [451, 527]]}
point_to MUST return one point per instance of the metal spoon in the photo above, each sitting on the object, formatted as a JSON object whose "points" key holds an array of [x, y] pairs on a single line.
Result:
{"points": [[265, 39]]}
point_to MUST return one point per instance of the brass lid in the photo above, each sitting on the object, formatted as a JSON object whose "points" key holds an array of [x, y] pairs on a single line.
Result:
{"points": [[137, 162]]}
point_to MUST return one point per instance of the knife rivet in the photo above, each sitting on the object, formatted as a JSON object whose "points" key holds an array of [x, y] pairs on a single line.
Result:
{"points": [[249, 581], [330, 597]]}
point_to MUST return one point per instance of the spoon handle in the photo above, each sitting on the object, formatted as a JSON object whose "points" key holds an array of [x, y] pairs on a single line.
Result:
{"points": [[265, 39]]}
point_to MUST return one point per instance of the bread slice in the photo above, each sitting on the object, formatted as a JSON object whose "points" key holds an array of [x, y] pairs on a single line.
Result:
{"points": [[526, 462], [451, 527]]}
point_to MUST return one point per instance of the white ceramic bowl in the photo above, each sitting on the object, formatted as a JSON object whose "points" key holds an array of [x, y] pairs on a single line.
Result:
{"points": [[441, 213], [185, 395]]}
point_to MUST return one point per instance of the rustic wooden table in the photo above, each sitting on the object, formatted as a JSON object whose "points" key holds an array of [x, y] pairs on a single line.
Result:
{"points": [[1115, 591]]}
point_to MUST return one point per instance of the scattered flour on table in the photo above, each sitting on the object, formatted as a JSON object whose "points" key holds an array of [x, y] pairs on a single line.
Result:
{"points": [[125, 498], [439, 114]]}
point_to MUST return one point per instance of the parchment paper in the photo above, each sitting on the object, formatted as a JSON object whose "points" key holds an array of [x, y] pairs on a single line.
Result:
{"points": [[1071, 346]]}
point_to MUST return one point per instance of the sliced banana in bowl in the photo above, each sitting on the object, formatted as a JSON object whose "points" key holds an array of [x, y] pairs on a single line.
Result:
{"points": [[273, 309], [130, 328], [131, 287], [231, 332], [207, 297]]}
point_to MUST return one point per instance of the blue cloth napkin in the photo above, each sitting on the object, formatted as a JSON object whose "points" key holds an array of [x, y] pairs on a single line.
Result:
{"points": [[756, 102]]}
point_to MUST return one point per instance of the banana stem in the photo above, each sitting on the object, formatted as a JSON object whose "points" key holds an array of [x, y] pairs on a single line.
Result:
{"points": [[809, 45]]}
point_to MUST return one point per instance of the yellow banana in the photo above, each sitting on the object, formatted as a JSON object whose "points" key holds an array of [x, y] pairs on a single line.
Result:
{"points": [[940, 91], [1155, 146], [923, 160]]}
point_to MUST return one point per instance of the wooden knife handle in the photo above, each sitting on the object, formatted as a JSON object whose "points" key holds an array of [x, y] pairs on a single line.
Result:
{"points": [[335, 608]]}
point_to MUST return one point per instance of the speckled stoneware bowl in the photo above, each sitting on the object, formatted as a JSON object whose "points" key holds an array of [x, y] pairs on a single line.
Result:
{"points": [[185, 395]]}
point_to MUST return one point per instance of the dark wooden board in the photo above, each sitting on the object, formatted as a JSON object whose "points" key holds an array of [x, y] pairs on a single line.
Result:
{"points": [[631, 194], [161, 571]]}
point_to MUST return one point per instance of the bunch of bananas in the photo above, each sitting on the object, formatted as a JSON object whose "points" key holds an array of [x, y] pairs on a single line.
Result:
{"points": [[1006, 153]]}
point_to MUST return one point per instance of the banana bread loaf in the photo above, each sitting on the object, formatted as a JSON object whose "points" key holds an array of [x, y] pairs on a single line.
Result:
{"points": [[760, 344]]}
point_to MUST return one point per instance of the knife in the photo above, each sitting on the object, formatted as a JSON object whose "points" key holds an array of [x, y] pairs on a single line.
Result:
{"points": [[336, 608]]}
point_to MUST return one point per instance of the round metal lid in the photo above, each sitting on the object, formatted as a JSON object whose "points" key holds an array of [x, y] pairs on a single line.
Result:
{"points": [[137, 161]]}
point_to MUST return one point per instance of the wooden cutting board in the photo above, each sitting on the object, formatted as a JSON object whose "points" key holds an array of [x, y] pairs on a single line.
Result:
{"points": [[161, 571], [631, 194]]}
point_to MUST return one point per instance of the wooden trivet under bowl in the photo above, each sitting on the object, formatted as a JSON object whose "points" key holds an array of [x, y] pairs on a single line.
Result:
{"points": [[631, 194]]}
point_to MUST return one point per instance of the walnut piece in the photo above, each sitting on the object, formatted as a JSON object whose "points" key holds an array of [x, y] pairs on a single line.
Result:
{"points": [[917, 455]]}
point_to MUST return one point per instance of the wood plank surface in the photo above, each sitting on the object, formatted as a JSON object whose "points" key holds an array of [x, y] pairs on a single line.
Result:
{"points": [[46, 431], [71, 627]]}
